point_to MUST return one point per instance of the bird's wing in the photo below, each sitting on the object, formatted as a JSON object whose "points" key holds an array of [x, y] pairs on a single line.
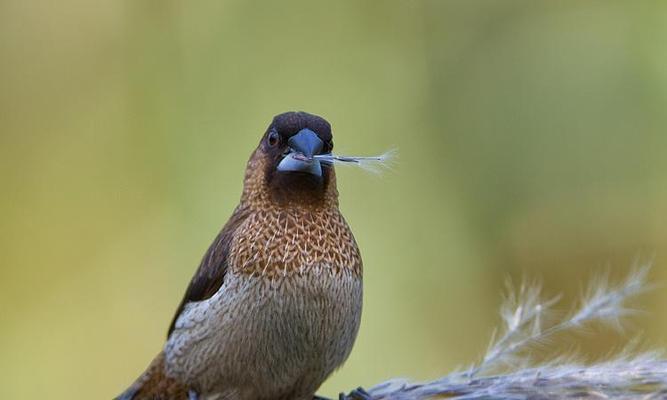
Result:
{"points": [[211, 272]]}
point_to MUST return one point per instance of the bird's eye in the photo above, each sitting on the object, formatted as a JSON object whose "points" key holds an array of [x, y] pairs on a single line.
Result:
{"points": [[273, 138]]}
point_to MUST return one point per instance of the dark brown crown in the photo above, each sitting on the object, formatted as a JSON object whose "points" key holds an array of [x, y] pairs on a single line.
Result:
{"points": [[290, 123]]}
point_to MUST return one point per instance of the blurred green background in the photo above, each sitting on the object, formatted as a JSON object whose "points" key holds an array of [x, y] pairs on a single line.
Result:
{"points": [[531, 135]]}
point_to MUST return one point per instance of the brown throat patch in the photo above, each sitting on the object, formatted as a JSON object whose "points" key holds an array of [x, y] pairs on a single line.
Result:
{"points": [[283, 241], [297, 233]]}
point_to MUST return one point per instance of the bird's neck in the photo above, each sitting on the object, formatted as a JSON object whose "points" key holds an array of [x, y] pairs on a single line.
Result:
{"points": [[289, 191]]}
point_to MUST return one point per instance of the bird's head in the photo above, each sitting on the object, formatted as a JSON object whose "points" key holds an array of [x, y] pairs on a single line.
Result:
{"points": [[284, 168]]}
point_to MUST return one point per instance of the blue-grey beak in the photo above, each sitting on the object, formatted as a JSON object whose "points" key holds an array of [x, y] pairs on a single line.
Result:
{"points": [[303, 146]]}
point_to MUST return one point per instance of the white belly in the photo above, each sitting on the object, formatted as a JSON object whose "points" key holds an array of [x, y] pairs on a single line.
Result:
{"points": [[261, 339]]}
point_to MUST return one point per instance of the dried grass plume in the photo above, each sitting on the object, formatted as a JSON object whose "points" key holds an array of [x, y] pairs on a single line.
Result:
{"points": [[507, 372]]}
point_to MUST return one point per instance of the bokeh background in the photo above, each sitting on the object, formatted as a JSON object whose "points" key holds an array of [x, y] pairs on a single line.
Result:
{"points": [[532, 143]]}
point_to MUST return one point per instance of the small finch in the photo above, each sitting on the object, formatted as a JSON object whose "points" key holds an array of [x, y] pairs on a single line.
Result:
{"points": [[275, 305]]}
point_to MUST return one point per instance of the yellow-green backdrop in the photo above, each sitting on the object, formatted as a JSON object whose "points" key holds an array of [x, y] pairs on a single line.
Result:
{"points": [[532, 139]]}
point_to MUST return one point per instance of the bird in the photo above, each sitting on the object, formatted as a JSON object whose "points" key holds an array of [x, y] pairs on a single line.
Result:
{"points": [[275, 305]]}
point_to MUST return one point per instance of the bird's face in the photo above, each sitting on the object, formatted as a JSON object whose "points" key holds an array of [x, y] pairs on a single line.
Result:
{"points": [[291, 142], [289, 147]]}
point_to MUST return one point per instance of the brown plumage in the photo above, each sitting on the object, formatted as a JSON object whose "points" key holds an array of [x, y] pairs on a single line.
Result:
{"points": [[275, 304]]}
